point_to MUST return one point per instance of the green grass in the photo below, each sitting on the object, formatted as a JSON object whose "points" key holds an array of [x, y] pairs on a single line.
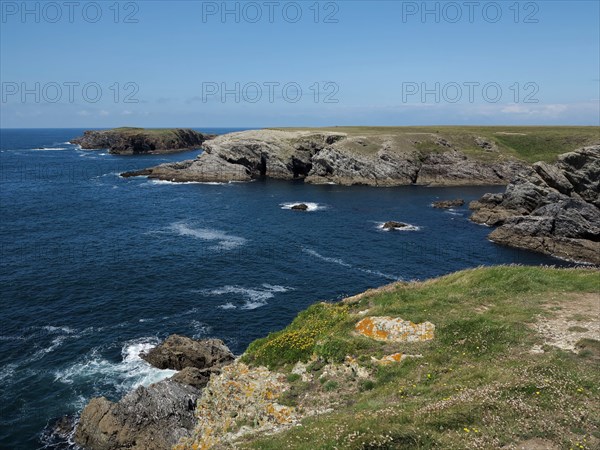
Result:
{"points": [[477, 385], [529, 144]]}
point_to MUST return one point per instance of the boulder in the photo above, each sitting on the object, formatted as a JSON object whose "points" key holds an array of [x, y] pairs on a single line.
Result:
{"points": [[300, 207], [154, 417], [178, 352]]}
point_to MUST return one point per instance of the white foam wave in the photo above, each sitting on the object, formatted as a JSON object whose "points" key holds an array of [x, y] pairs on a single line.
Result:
{"points": [[339, 261], [342, 263], [42, 149], [408, 227], [311, 206], [255, 297], [127, 374], [228, 305], [223, 240]]}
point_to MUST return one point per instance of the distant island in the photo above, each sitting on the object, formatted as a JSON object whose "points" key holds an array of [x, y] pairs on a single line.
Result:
{"points": [[133, 141]]}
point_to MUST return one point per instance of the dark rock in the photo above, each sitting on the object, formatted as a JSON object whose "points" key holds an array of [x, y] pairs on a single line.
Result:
{"points": [[59, 433], [178, 352], [154, 417], [444, 204], [551, 208], [197, 378], [133, 141], [391, 225], [300, 207]]}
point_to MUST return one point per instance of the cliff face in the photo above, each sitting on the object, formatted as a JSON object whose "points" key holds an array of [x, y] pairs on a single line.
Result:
{"points": [[329, 157], [131, 141], [550, 208]]}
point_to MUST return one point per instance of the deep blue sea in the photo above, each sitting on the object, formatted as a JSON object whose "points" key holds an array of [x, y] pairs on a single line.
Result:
{"points": [[95, 268]]}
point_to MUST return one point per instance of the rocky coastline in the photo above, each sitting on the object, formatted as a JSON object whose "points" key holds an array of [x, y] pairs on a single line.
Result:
{"points": [[549, 208], [339, 158], [135, 141], [160, 415]]}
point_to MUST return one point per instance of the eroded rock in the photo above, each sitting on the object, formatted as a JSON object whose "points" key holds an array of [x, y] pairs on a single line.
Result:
{"points": [[154, 417], [550, 208]]}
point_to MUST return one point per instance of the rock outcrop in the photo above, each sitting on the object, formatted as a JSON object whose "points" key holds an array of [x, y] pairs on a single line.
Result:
{"points": [[179, 352], [550, 208], [160, 415], [155, 417], [329, 157], [133, 141]]}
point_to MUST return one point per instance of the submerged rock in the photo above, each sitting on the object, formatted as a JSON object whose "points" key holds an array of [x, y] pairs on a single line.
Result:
{"points": [[551, 208], [178, 352], [444, 204], [154, 417]]}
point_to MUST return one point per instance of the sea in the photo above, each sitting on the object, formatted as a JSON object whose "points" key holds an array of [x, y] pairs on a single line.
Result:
{"points": [[95, 268]]}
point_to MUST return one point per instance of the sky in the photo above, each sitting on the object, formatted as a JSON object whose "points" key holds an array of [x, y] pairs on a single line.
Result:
{"points": [[305, 63]]}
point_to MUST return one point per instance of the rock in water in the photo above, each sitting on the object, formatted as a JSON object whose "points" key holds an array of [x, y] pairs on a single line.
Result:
{"points": [[550, 208], [155, 418], [178, 352], [444, 204], [391, 225], [300, 207], [132, 141]]}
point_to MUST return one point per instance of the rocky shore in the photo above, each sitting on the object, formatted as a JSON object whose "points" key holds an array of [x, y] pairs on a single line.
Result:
{"points": [[160, 415], [133, 141], [340, 158], [550, 208]]}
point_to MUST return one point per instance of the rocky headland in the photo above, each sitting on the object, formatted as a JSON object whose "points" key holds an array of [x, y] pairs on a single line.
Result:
{"points": [[550, 208], [134, 141], [322, 157], [158, 416]]}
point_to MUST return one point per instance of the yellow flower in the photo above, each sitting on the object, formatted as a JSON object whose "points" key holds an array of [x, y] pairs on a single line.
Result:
{"points": [[466, 430]]}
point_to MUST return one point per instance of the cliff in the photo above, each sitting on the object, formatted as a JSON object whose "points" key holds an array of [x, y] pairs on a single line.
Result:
{"points": [[133, 141], [343, 158], [482, 358], [550, 208]]}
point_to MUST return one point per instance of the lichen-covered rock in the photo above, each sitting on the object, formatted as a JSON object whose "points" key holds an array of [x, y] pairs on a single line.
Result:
{"points": [[395, 329], [239, 401], [178, 352]]}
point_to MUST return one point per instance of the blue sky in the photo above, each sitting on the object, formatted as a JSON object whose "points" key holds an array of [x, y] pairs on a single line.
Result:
{"points": [[356, 63]]}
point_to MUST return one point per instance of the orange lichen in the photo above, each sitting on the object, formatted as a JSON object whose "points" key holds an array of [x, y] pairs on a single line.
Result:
{"points": [[394, 329]]}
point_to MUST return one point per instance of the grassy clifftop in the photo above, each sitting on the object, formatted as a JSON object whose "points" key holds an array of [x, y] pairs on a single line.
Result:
{"points": [[514, 360], [529, 144]]}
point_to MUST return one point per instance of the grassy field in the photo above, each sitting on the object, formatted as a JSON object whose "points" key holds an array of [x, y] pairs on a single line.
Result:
{"points": [[530, 144], [490, 378]]}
